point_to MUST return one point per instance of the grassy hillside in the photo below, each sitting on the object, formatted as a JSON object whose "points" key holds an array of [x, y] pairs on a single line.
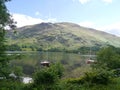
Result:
{"points": [[63, 35]]}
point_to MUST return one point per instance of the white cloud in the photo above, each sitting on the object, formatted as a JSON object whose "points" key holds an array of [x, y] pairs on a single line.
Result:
{"points": [[83, 1], [112, 28], [51, 20], [23, 20], [87, 24], [107, 1]]}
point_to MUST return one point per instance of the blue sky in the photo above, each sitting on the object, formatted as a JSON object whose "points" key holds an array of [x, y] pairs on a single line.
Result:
{"points": [[99, 14]]}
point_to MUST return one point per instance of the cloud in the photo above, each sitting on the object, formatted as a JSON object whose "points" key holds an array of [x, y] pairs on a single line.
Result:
{"points": [[113, 28], [23, 20], [87, 24], [115, 32], [107, 1], [83, 1], [51, 20]]}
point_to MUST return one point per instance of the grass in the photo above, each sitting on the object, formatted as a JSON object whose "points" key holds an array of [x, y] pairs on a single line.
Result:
{"points": [[114, 85]]}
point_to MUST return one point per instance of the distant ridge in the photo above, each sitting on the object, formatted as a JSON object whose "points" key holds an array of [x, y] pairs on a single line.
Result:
{"points": [[62, 35]]}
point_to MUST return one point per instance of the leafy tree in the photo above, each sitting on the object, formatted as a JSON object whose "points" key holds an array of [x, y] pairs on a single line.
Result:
{"points": [[48, 75], [110, 57], [5, 21], [47, 78], [18, 70]]}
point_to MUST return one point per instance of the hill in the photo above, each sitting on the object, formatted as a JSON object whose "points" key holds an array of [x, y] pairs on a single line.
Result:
{"points": [[60, 36]]}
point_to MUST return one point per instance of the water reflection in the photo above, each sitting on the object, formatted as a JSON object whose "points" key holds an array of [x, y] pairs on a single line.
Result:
{"points": [[71, 62]]}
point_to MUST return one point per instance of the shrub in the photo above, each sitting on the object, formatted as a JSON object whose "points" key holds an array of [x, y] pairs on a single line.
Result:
{"points": [[109, 56], [45, 77], [96, 76]]}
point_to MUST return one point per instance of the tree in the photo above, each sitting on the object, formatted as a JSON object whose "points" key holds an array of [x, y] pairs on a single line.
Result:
{"points": [[5, 21], [109, 56], [47, 78], [48, 75]]}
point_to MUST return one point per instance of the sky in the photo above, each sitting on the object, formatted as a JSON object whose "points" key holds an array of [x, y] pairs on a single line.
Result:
{"points": [[102, 15]]}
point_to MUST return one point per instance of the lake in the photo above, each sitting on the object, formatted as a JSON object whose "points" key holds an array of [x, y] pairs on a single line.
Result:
{"points": [[72, 63]]}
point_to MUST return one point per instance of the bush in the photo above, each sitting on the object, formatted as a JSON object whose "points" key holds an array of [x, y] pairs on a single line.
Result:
{"points": [[11, 85], [44, 77], [109, 56], [47, 78], [96, 76]]}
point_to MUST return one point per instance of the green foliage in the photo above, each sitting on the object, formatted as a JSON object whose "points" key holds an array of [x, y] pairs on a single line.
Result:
{"points": [[18, 71], [13, 47], [45, 77], [5, 20], [11, 85], [48, 75], [110, 57], [98, 76], [57, 68]]}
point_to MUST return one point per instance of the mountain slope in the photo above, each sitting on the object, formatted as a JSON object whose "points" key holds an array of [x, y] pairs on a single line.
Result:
{"points": [[61, 35]]}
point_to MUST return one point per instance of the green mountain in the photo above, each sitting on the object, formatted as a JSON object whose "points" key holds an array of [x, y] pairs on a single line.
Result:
{"points": [[63, 35]]}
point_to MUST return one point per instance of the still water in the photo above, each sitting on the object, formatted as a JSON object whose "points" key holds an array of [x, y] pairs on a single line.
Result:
{"points": [[72, 63]]}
